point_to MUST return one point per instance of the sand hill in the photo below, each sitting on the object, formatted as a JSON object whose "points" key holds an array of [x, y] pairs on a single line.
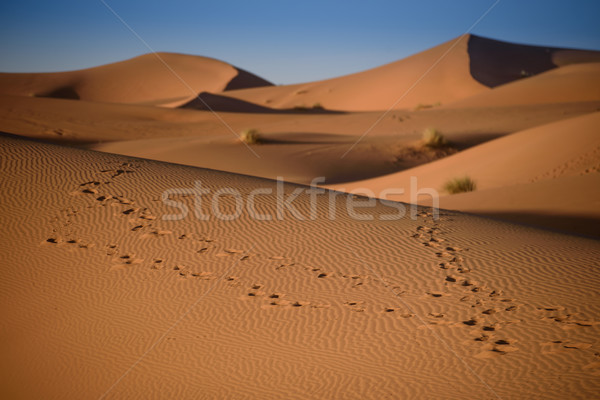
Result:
{"points": [[163, 79], [458, 69], [530, 176]]}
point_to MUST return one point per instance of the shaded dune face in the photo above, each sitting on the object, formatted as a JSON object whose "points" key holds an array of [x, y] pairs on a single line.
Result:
{"points": [[494, 63], [207, 101], [65, 92], [245, 80]]}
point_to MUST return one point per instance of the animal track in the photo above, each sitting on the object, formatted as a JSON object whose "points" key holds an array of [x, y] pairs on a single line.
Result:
{"points": [[452, 265]]}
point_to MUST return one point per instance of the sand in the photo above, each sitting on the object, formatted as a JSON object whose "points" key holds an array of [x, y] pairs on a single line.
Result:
{"points": [[161, 79], [456, 308], [105, 296], [530, 176]]}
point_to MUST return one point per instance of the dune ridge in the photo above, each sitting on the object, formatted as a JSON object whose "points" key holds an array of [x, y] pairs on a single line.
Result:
{"points": [[141, 80]]}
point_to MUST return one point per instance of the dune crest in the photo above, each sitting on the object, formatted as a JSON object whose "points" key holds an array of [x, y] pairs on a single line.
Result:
{"points": [[140, 80]]}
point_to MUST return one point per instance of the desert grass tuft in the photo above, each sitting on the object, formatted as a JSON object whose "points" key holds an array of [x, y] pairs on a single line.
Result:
{"points": [[250, 136], [460, 185]]}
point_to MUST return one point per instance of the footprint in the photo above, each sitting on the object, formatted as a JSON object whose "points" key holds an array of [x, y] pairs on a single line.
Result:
{"points": [[453, 249], [482, 338], [233, 251], [205, 276], [116, 172], [435, 294], [436, 315], [356, 306], [157, 232], [495, 351]]}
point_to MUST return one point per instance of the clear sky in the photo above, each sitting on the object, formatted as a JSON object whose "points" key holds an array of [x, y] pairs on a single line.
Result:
{"points": [[281, 40]]}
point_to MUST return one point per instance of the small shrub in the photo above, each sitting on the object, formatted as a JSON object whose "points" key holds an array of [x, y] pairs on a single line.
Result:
{"points": [[421, 106], [460, 185], [250, 136], [433, 138], [317, 106]]}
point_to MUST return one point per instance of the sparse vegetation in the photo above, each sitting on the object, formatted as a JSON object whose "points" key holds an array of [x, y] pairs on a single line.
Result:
{"points": [[460, 185], [422, 106], [250, 136], [433, 138]]}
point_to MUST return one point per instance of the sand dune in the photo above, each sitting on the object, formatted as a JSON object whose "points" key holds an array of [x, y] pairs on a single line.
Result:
{"points": [[140, 80], [81, 121], [567, 203], [572, 83], [296, 309], [495, 63], [382, 87], [458, 69], [566, 148], [298, 146]]}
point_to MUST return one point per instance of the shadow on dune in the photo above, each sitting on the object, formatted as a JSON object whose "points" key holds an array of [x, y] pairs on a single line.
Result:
{"points": [[222, 103], [65, 92], [245, 80], [494, 63], [588, 226], [292, 138]]}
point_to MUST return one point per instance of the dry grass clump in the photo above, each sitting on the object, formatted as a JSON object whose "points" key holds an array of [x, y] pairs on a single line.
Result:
{"points": [[433, 138], [460, 185], [250, 136]]}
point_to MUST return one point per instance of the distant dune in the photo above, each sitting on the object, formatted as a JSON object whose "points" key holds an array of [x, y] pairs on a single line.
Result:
{"points": [[494, 63], [472, 66], [391, 85], [140, 80], [512, 168], [572, 83]]}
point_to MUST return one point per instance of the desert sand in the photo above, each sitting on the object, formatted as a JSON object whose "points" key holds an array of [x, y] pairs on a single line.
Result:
{"points": [[495, 297]]}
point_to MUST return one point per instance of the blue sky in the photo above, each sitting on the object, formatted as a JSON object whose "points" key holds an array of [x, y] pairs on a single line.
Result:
{"points": [[280, 40]]}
